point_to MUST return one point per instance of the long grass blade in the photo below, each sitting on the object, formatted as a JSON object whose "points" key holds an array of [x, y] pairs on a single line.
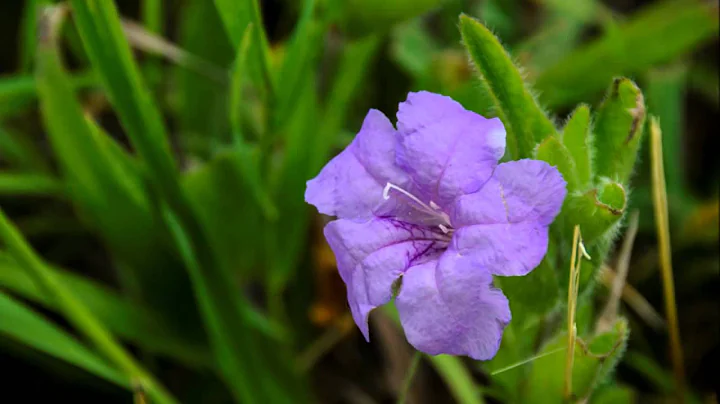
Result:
{"points": [[29, 184], [25, 325], [76, 312], [457, 378], [102, 35], [663, 234], [136, 324]]}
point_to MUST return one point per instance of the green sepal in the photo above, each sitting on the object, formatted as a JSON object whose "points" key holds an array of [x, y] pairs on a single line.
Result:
{"points": [[592, 364], [556, 154], [618, 130], [577, 138], [596, 211]]}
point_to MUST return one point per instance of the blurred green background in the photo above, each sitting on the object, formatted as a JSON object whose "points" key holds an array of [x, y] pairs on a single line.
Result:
{"points": [[155, 159]]}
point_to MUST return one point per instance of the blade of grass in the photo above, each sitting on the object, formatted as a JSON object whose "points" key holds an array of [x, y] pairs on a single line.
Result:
{"points": [[244, 361], [147, 41], [25, 325], [29, 184], [665, 95], [19, 151], [703, 79], [609, 314], [76, 312], [657, 375], [19, 86], [451, 370], [128, 321], [286, 240], [302, 48], [28, 32], [152, 15], [663, 235], [635, 300], [241, 60], [457, 378], [201, 111], [571, 307], [236, 16], [660, 32], [152, 21], [353, 67], [409, 376], [242, 364], [102, 178], [524, 120], [101, 32]]}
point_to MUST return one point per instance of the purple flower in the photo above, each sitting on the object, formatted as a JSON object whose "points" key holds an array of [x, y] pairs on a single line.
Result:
{"points": [[429, 207]]}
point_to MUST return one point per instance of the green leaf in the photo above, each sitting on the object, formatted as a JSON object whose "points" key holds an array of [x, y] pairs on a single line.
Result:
{"points": [[703, 80], [29, 184], [201, 102], [18, 151], [236, 85], [451, 370], [614, 394], [353, 68], [656, 375], [534, 293], [236, 16], [593, 362], [244, 164], [660, 32], [561, 29], [577, 138], [413, 48], [556, 154], [618, 131], [18, 91], [288, 235], [457, 378], [17, 86], [596, 211], [100, 178], [666, 99], [28, 327], [29, 32], [133, 323], [302, 50], [219, 191], [363, 17], [77, 313], [102, 35], [525, 122], [251, 370]]}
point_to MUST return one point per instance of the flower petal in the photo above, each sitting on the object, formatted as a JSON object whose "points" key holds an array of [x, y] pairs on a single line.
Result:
{"points": [[504, 226], [351, 184], [447, 150], [450, 307], [372, 255]]}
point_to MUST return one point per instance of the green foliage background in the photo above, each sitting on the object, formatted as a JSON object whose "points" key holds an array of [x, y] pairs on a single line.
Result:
{"points": [[154, 240]]}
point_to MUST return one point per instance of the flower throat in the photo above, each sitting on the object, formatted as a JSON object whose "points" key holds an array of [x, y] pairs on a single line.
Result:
{"points": [[436, 215]]}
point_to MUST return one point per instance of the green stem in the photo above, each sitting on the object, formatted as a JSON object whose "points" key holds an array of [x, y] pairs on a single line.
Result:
{"points": [[409, 376]]}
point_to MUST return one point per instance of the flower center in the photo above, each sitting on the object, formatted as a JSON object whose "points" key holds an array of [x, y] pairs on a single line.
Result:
{"points": [[431, 213]]}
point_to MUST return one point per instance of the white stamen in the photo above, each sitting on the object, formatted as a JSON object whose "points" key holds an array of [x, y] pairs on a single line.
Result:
{"points": [[389, 186], [583, 251], [434, 209]]}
